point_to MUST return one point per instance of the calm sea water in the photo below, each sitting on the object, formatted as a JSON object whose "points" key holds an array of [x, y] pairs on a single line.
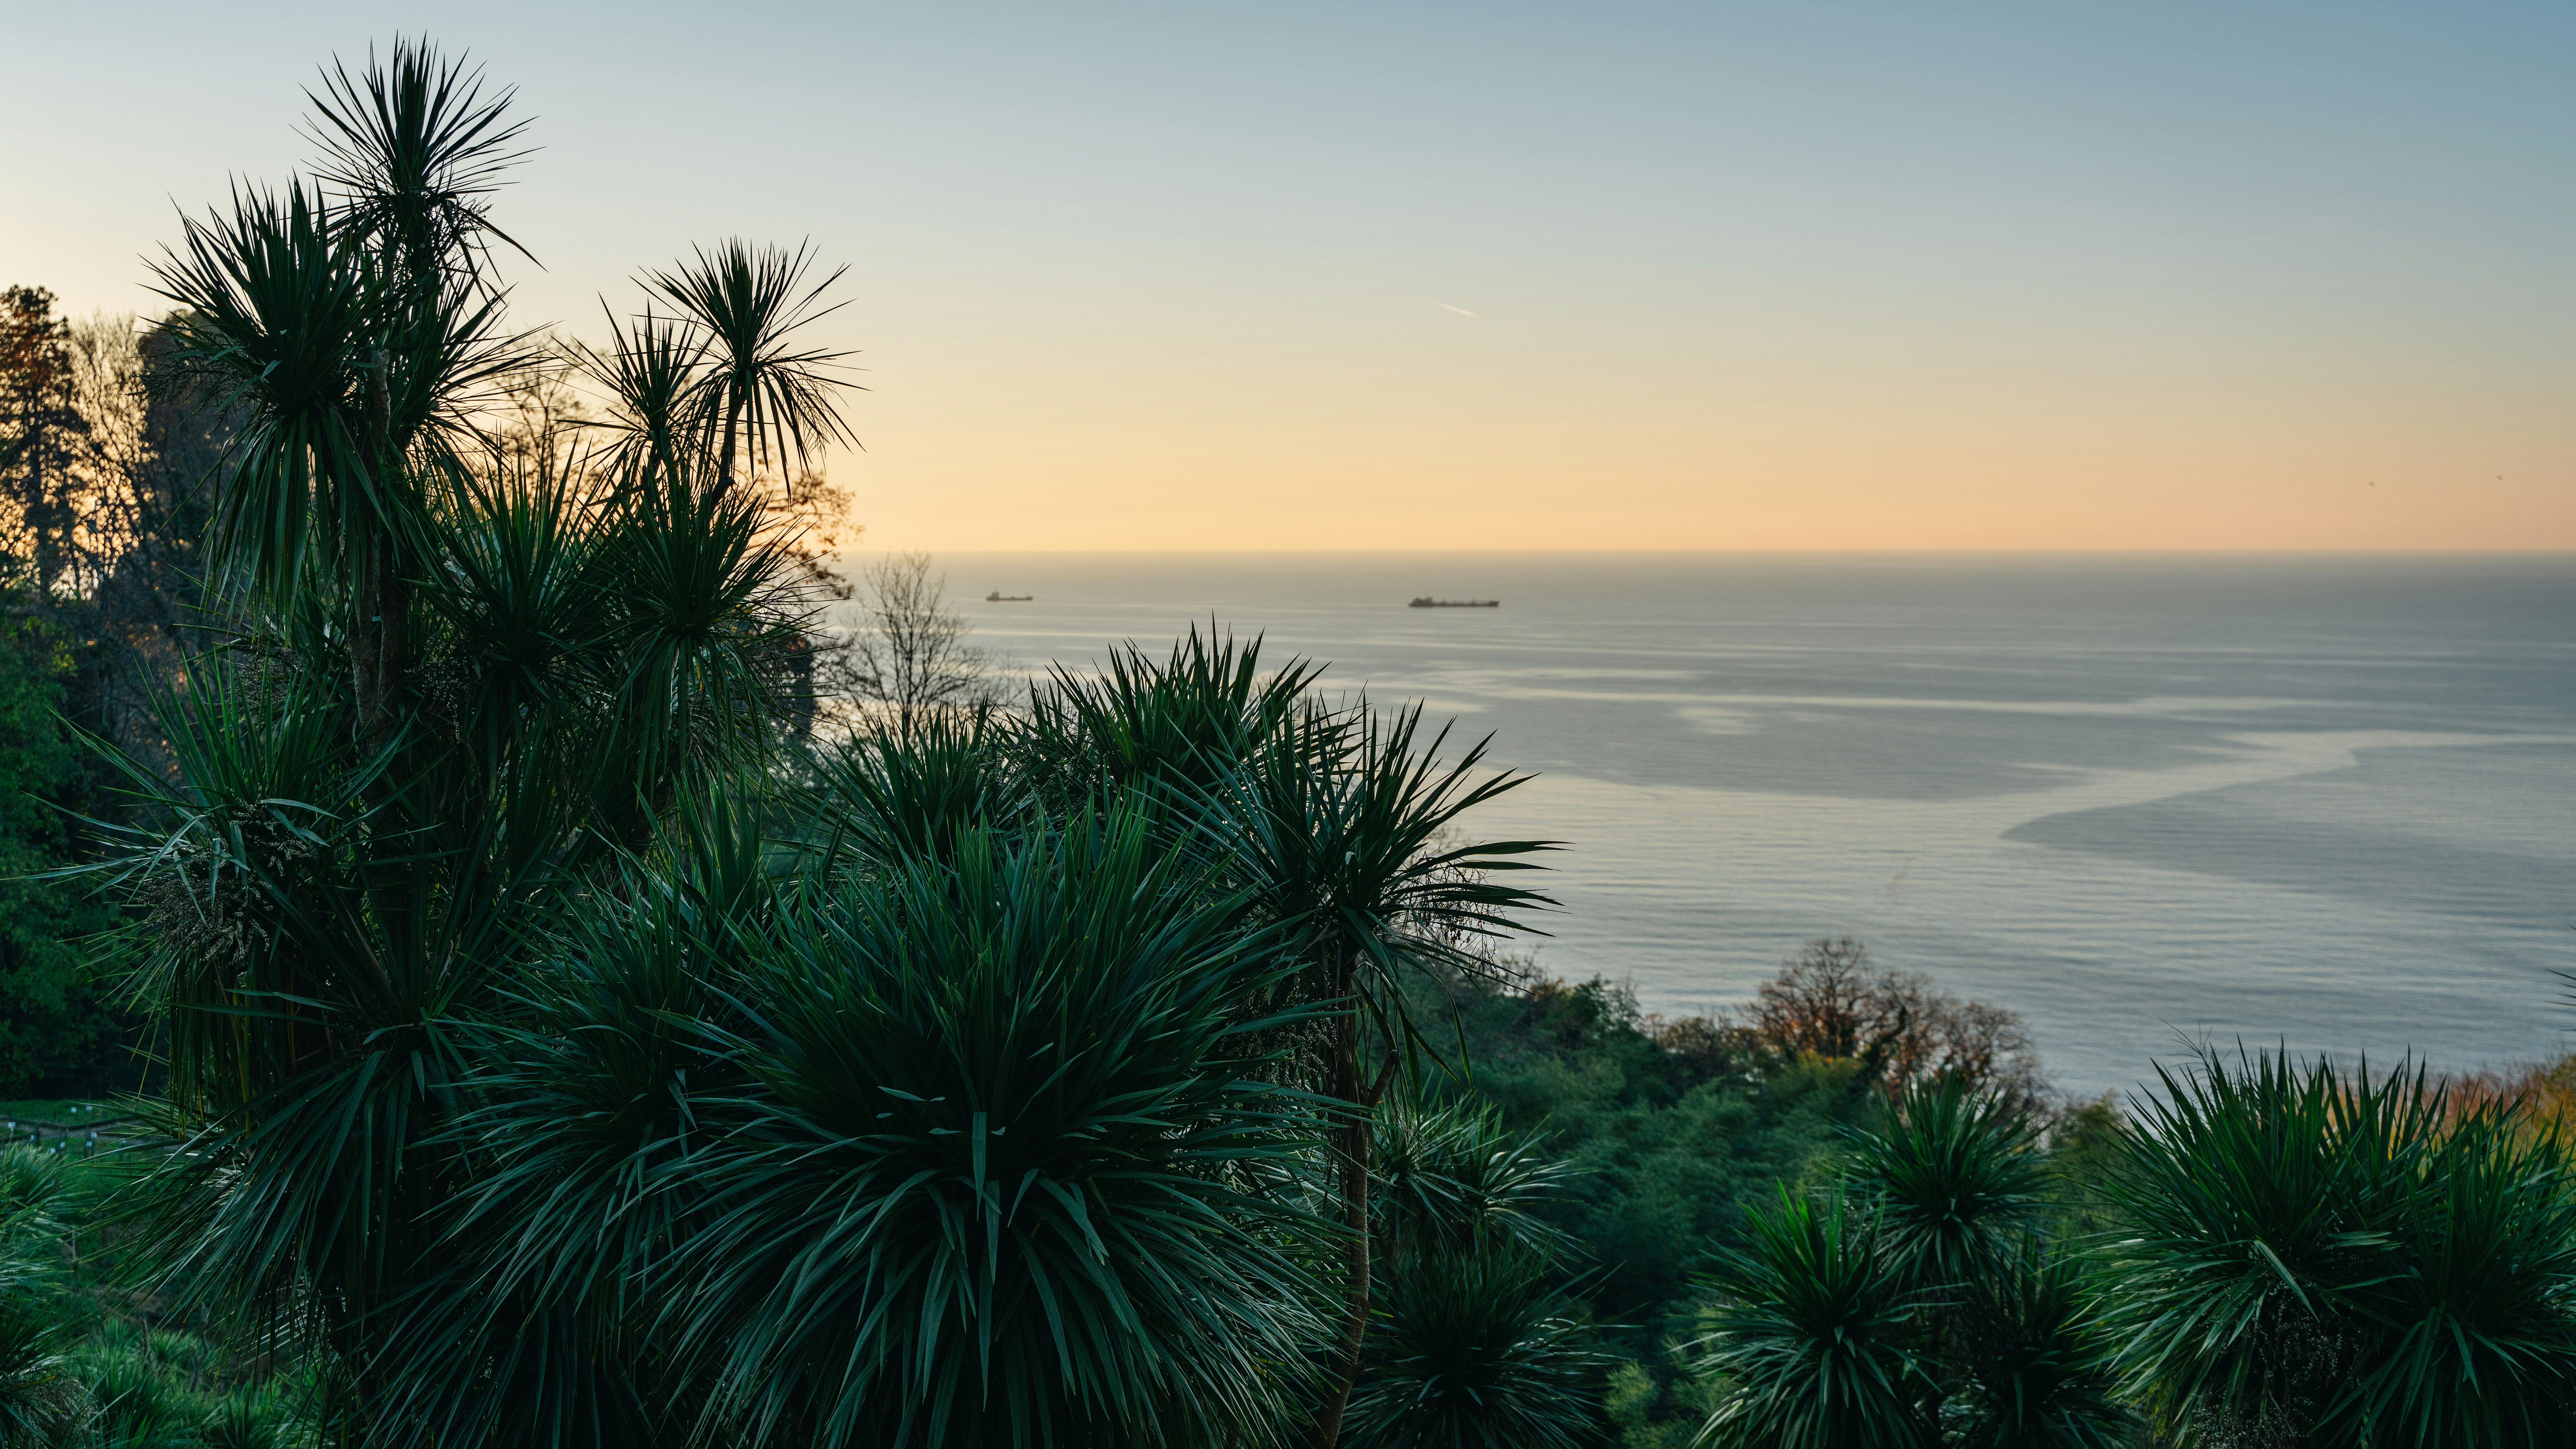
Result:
{"points": [[2327, 802]]}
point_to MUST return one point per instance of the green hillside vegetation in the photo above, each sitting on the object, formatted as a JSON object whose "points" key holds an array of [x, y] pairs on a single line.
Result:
{"points": [[572, 1019]]}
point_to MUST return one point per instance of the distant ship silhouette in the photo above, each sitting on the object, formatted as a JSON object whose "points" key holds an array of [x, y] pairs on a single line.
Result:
{"points": [[998, 597], [1428, 602]]}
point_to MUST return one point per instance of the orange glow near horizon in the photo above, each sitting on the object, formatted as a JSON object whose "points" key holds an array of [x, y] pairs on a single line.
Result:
{"points": [[1436, 435], [1340, 276]]}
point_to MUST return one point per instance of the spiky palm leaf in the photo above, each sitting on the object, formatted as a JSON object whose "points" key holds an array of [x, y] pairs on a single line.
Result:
{"points": [[770, 399], [652, 370], [559, 1244], [40, 1399], [1475, 1350], [2035, 1368], [2309, 1251], [1166, 732], [351, 385], [1453, 1180], [987, 1182], [2482, 1326], [418, 150], [1335, 827], [1955, 1177], [912, 793], [1813, 1336], [1338, 826]]}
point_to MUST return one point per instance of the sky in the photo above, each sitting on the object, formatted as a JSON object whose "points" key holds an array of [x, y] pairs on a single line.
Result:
{"points": [[1605, 275]]}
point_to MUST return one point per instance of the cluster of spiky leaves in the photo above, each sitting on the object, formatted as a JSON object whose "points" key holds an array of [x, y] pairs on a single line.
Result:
{"points": [[39, 1396], [453, 690], [1475, 1351], [1955, 1181], [1475, 1340], [1452, 1179], [931, 1150], [1816, 1333], [2343, 1259], [1920, 1301], [1331, 821]]}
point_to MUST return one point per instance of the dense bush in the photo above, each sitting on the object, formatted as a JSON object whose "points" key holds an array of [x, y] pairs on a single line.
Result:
{"points": [[2303, 1255]]}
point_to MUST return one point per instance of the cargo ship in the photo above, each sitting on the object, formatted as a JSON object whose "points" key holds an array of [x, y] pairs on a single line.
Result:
{"points": [[998, 597], [1428, 602]]}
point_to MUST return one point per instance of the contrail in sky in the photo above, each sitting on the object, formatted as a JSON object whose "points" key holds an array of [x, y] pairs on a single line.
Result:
{"points": [[1461, 311]]}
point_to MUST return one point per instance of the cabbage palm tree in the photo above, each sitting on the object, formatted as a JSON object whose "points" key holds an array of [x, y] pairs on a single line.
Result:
{"points": [[1814, 1332], [1337, 827], [2355, 1260], [454, 691], [1924, 1301], [947, 1148], [1954, 1175], [1474, 1340]]}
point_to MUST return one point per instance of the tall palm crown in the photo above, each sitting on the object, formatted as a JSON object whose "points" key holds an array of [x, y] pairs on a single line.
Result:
{"points": [[455, 687], [564, 1062]]}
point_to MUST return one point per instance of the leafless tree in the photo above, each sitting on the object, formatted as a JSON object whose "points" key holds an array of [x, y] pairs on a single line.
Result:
{"points": [[1831, 1000], [908, 658]]}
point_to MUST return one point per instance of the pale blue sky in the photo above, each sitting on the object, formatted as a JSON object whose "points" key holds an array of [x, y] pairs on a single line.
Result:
{"points": [[1741, 275]]}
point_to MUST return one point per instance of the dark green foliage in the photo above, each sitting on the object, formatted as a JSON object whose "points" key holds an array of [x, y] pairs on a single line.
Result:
{"points": [[1476, 1339], [1947, 1187], [1954, 1176], [761, 388], [589, 1103], [1337, 825], [996, 1177], [958, 1150], [39, 1394], [1475, 1351], [1169, 733], [1454, 1180], [457, 683], [57, 1029], [2031, 1365], [340, 358], [81, 1361], [2307, 1256], [910, 794], [1815, 1330], [1663, 1155]]}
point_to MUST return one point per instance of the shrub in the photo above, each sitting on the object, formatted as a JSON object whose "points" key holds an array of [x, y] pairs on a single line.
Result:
{"points": [[2314, 1256]]}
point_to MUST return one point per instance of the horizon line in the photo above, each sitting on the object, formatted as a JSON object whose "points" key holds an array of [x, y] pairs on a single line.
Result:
{"points": [[2072, 551]]}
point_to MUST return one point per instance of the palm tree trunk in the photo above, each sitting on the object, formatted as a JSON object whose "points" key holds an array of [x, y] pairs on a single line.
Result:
{"points": [[1357, 1137], [733, 419], [380, 599]]}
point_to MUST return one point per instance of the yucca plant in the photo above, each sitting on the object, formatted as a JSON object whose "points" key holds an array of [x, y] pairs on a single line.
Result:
{"points": [[560, 1243], [1814, 1335], [883, 796], [2481, 1345], [41, 1399], [2339, 1258], [763, 398], [1336, 827], [999, 1171], [1475, 1350], [1476, 1339], [2029, 1365], [1167, 733], [1453, 1180], [1954, 1176]]}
